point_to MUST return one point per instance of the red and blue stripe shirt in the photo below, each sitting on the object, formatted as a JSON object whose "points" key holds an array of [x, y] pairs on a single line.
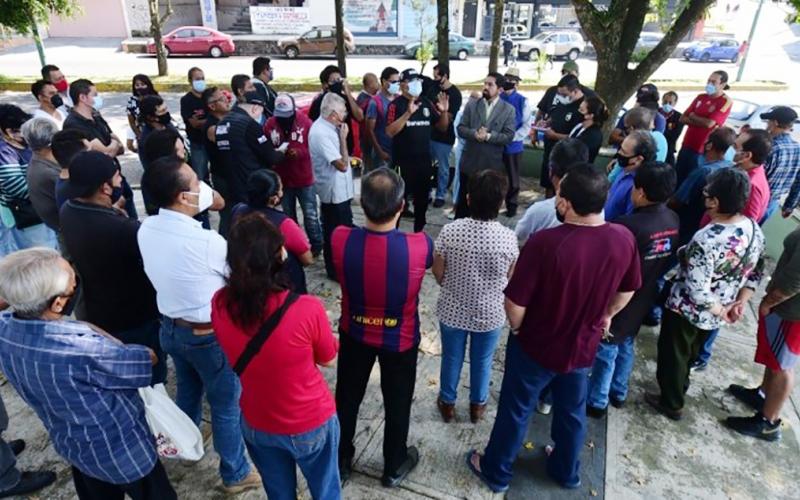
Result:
{"points": [[381, 276]]}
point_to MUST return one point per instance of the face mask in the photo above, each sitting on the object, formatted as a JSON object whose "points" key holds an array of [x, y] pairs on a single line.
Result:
{"points": [[271, 74], [415, 88], [336, 87], [729, 153], [394, 88], [562, 99], [508, 85], [623, 161], [165, 119], [198, 85], [205, 197], [62, 86], [56, 101], [711, 89], [667, 108], [98, 102], [116, 193]]}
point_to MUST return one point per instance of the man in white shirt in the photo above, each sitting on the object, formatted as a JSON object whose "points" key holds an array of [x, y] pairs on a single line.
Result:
{"points": [[542, 214], [186, 265], [52, 74], [333, 178], [51, 104]]}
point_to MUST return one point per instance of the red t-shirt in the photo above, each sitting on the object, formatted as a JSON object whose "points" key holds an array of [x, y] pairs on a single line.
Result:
{"points": [[705, 106], [294, 239], [566, 277], [294, 172], [757, 203], [283, 390]]}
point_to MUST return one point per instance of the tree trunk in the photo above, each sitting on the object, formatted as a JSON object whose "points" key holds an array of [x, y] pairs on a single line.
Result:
{"points": [[443, 31], [156, 22], [341, 50], [497, 30], [37, 38]]}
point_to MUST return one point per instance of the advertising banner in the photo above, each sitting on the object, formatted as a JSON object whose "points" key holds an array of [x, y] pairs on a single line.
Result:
{"points": [[280, 20]]}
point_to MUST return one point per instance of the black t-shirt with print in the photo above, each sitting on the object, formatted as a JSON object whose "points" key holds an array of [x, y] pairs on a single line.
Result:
{"points": [[414, 140]]}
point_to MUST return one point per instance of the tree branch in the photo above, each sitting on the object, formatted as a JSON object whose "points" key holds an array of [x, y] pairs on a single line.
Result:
{"points": [[632, 28], [589, 17], [166, 15]]}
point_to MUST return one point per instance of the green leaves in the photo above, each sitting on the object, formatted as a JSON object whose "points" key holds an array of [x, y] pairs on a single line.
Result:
{"points": [[20, 15]]}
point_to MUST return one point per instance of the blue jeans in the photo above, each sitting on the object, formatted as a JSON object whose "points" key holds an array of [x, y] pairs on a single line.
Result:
{"points": [[481, 352], [611, 370], [315, 452], [459, 150], [771, 209], [705, 352], [440, 153], [198, 158], [34, 236], [308, 205], [201, 366], [524, 378]]}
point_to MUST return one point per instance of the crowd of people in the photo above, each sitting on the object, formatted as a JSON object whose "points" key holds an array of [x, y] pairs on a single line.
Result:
{"points": [[663, 234]]}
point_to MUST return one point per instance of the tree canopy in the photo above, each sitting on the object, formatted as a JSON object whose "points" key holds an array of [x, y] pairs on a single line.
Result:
{"points": [[20, 15]]}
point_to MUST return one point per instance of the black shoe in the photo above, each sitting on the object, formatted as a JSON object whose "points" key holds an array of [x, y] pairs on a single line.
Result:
{"points": [[17, 446], [654, 400], [750, 397], [408, 214], [438, 203], [651, 320], [617, 403], [698, 366], [756, 426], [29, 482], [411, 461], [593, 412], [345, 469]]}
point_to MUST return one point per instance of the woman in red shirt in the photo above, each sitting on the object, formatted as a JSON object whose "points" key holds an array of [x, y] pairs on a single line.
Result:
{"points": [[288, 412]]}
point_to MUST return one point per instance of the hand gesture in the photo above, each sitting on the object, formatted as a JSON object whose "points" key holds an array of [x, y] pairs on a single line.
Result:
{"points": [[764, 309], [413, 106], [346, 86], [735, 312], [610, 166], [443, 102], [343, 130], [480, 135]]}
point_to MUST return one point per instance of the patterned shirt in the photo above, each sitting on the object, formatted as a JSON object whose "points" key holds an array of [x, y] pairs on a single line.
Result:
{"points": [[13, 171], [711, 270], [83, 386], [478, 255], [783, 170]]}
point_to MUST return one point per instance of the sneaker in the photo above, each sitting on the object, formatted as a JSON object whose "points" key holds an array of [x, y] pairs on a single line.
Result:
{"points": [[593, 412], [17, 446], [616, 403], [750, 397], [543, 408], [29, 482], [394, 480], [250, 481], [756, 426], [698, 366], [654, 400], [438, 203]]}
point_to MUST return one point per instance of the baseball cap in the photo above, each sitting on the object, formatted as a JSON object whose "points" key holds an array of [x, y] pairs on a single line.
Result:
{"points": [[284, 106], [569, 67], [87, 172], [254, 98], [784, 115], [647, 93], [409, 74], [513, 72]]}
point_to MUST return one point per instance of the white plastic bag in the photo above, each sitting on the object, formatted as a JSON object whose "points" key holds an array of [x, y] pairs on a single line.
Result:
{"points": [[176, 435]]}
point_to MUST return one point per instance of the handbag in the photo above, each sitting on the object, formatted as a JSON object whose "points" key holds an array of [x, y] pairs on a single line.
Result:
{"points": [[176, 434], [24, 214], [257, 342]]}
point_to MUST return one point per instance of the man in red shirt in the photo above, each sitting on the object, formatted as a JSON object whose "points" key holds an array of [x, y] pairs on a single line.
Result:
{"points": [[706, 112], [587, 266], [297, 176]]}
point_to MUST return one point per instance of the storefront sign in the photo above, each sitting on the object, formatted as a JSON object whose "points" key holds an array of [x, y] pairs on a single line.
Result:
{"points": [[371, 17], [280, 20]]}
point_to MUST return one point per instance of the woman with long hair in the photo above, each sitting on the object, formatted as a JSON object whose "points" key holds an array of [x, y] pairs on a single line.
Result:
{"points": [[141, 86], [590, 130]]}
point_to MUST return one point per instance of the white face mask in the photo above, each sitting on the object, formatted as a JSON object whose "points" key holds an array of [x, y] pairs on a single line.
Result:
{"points": [[415, 88], [205, 197], [563, 99]]}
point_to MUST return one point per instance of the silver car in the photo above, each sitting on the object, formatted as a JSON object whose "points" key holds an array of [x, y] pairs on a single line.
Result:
{"points": [[749, 113], [567, 44]]}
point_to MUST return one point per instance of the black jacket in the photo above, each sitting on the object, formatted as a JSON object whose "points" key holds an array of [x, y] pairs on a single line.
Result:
{"points": [[243, 148]]}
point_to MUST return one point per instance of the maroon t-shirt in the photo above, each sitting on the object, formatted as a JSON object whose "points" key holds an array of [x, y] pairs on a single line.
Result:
{"points": [[566, 277]]}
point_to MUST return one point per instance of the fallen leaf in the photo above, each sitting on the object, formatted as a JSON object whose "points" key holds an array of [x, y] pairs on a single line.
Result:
{"points": [[593, 493], [528, 445]]}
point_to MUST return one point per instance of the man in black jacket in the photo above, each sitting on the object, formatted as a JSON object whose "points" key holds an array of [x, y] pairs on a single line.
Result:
{"points": [[243, 147]]}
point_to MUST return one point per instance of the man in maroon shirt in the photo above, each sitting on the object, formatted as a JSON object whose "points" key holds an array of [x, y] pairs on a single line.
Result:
{"points": [[590, 270]]}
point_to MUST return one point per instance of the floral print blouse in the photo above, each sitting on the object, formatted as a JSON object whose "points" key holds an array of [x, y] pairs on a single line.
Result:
{"points": [[711, 270]]}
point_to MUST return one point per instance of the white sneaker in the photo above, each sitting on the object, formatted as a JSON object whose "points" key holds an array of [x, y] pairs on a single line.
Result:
{"points": [[543, 408]]}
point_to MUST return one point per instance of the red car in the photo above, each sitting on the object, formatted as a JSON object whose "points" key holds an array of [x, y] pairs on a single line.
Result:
{"points": [[195, 40]]}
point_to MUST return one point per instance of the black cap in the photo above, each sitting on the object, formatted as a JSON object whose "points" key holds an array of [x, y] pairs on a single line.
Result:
{"points": [[254, 98], [409, 74], [87, 172], [647, 93], [784, 115]]}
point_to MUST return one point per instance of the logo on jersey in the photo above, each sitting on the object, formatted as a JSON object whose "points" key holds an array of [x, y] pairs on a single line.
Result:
{"points": [[426, 112]]}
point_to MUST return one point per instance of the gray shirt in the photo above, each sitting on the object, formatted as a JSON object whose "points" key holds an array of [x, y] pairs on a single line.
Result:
{"points": [[332, 186], [42, 176]]}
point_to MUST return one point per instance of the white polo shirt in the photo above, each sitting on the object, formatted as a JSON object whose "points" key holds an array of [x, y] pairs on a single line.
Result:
{"points": [[331, 185], [185, 263]]}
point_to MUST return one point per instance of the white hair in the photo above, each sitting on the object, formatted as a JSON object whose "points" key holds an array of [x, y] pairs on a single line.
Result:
{"points": [[39, 132], [30, 279], [332, 103]]}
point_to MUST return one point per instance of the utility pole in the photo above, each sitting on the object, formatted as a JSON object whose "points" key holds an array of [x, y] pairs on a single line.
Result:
{"points": [[749, 42]]}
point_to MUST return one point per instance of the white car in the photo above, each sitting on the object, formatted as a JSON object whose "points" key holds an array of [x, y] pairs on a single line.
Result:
{"points": [[567, 44], [749, 113]]}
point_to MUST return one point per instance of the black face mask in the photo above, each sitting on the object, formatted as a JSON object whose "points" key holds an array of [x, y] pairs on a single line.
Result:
{"points": [[508, 85], [116, 193], [56, 101], [622, 160], [559, 216], [164, 119], [285, 123], [336, 87]]}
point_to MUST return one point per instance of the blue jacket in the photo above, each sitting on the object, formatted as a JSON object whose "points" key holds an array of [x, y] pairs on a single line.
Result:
{"points": [[518, 101]]}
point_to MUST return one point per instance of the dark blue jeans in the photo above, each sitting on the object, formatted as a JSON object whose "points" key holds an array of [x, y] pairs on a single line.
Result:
{"points": [[276, 457], [705, 351], [198, 158], [611, 371], [440, 153], [524, 378], [147, 334], [201, 366], [308, 205], [481, 353]]}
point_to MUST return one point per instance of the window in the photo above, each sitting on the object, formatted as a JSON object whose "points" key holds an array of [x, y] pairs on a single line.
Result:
{"points": [[326, 33], [310, 34], [183, 34], [563, 38], [202, 33]]}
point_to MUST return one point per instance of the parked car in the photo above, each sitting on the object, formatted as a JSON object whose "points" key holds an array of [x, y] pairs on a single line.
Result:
{"points": [[749, 113], [195, 40], [724, 49], [460, 47], [567, 44], [546, 25], [648, 40], [319, 40], [517, 31]]}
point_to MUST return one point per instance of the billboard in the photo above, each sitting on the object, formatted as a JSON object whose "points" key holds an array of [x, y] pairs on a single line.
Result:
{"points": [[280, 20], [371, 17]]}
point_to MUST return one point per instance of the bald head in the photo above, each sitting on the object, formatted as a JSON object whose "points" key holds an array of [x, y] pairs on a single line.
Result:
{"points": [[370, 83]]}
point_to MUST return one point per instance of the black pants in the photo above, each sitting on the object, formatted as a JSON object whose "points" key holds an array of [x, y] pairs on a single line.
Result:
{"points": [[462, 210], [511, 163], [544, 179], [155, 486], [398, 376], [679, 343], [417, 174], [333, 215]]}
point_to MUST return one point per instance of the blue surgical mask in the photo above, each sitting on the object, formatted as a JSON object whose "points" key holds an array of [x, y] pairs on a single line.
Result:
{"points": [[667, 108], [711, 89], [729, 154], [394, 88], [199, 85], [98, 102], [415, 88]]}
